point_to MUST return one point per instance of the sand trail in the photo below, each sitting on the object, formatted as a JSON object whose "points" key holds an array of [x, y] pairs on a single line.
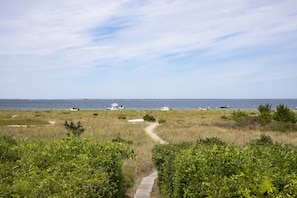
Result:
{"points": [[145, 188]]}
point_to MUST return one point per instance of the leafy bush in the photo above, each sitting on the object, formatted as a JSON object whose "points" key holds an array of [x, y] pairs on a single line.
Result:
{"points": [[265, 113], [213, 169], [282, 120], [161, 121], [264, 140], [284, 114], [238, 115], [211, 141], [149, 118], [68, 168], [76, 130]]}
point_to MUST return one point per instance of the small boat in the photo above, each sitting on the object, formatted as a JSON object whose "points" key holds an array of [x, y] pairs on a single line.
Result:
{"points": [[74, 109], [165, 108], [204, 109], [115, 107], [224, 107]]}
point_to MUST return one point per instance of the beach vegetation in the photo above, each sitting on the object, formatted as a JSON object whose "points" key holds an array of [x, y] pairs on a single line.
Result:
{"points": [[284, 114], [67, 168], [161, 121], [76, 130], [210, 168], [238, 115], [265, 116], [149, 118], [181, 126]]}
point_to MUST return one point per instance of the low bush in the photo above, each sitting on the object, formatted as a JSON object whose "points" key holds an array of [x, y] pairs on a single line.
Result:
{"points": [[76, 130], [282, 120], [210, 168], [284, 114], [149, 118], [238, 115], [161, 121], [264, 140], [68, 168]]}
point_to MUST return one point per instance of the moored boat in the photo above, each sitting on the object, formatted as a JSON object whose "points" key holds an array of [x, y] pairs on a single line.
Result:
{"points": [[115, 107], [165, 108], [225, 107]]}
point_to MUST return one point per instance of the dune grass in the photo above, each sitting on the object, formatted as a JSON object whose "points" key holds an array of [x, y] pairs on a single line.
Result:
{"points": [[100, 126]]}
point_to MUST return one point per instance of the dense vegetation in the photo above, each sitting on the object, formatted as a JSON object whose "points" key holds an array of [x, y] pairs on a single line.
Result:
{"points": [[211, 168], [282, 119], [112, 126], [67, 168]]}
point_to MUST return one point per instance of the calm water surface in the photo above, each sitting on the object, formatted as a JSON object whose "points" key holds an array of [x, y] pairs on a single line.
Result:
{"points": [[141, 104]]}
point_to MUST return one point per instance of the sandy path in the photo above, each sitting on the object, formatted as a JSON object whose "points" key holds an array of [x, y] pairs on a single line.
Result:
{"points": [[150, 131], [145, 188]]}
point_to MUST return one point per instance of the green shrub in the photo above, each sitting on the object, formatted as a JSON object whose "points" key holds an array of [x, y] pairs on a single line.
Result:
{"points": [[211, 141], [68, 168], [209, 168], [265, 113], [264, 140], [76, 130], [284, 114], [149, 118], [161, 121], [238, 115]]}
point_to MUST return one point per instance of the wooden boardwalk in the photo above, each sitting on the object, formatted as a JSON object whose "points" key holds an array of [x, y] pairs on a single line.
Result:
{"points": [[145, 188]]}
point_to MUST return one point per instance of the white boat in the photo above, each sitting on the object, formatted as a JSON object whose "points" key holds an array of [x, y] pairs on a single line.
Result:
{"points": [[115, 107], [203, 109], [165, 108], [74, 109]]}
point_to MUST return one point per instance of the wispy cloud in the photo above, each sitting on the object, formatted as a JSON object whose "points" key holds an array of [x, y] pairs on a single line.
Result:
{"points": [[185, 46]]}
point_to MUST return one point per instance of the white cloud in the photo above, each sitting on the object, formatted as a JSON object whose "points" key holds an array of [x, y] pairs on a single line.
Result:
{"points": [[172, 40]]}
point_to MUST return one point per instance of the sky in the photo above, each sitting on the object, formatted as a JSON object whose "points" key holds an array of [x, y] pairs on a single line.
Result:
{"points": [[130, 49]]}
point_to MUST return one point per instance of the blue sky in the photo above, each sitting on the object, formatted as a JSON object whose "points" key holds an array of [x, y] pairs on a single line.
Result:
{"points": [[54, 49]]}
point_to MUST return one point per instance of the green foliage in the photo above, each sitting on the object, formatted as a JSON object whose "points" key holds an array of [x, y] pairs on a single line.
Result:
{"points": [[264, 140], [238, 115], [161, 121], [149, 118], [210, 168], [211, 141], [76, 130], [265, 113], [68, 168], [282, 120], [284, 114]]}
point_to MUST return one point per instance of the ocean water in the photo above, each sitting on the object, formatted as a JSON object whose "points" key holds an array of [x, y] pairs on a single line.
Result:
{"points": [[142, 104]]}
